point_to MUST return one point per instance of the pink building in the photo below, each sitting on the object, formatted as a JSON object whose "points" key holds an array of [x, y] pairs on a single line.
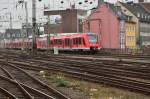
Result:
{"points": [[107, 20]]}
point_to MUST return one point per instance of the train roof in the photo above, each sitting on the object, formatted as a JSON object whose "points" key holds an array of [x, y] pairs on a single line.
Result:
{"points": [[61, 34]]}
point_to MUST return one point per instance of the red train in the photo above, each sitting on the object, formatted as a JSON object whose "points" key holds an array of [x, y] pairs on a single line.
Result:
{"points": [[64, 41]]}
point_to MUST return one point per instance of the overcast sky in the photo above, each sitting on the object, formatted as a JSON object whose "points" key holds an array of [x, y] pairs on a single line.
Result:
{"points": [[18, 13]]}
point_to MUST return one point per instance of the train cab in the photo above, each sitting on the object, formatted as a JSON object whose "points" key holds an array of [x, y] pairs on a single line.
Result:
{"points": [[93, 41]]}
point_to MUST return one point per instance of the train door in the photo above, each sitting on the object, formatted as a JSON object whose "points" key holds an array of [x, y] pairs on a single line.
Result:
{"points": [[63, 42], [67, 43], [85, 41]]}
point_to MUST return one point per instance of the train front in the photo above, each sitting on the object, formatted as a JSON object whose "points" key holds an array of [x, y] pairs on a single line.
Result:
{"points": [[94, 43]]}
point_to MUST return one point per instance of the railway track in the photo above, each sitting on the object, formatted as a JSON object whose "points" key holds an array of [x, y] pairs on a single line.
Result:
{"points": [[112, 80], [135, 71], [100, 77], [109, 54], [118, 74], [4, 94], [102, 65], [35, 87], [127, 56], [30, 87], [11, 88]]}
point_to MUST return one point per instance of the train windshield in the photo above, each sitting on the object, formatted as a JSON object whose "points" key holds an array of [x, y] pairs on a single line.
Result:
{"points": [[92, 38]]}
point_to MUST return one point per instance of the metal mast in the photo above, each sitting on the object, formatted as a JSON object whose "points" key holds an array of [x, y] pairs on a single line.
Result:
{"points": [[34, 25], [27, 23]]}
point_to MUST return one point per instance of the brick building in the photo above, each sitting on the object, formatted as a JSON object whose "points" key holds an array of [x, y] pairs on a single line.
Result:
{"points": [[70, 21], [108, 21]]}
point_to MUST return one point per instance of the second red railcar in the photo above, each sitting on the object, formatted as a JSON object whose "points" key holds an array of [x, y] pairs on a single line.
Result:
{"points": [[70, 41]]}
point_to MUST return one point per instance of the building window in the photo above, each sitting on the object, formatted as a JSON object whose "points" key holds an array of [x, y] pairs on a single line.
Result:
{"points": [[133, 29], [131, 38]]}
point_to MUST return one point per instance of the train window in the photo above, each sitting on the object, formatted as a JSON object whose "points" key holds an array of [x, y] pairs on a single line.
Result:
{"points": [[60, 41], [51, 42], [68, 42], [80, 40], [77, 41], [57, 41], [54, 41], [92, 38], [74, 41]]}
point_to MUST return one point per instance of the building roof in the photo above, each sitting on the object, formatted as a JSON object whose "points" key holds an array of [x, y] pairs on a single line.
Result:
{"points": [[115, 9], [146, 6], [59, 12], [138, 11]]}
